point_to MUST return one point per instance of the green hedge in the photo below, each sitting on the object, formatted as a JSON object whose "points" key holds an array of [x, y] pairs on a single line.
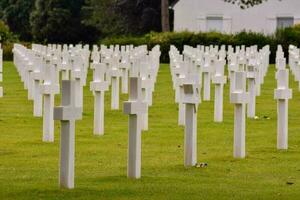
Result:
{"points": [[179, 39]]}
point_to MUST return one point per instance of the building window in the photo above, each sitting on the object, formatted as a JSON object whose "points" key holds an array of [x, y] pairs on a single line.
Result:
{"points": [[214, 24], [283, 22]]}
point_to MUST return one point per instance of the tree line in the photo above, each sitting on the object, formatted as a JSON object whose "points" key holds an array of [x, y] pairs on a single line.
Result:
{"points": [[72, 21]]}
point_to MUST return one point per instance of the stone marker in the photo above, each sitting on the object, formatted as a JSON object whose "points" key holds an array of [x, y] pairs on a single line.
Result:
{"points": [[239, 97], [191, 100], [49, 89], [135, 108], [99, 86], [67, 113], [282, 94], [219, 80]]}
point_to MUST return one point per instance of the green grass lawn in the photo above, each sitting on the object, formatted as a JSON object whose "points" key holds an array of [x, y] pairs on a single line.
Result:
{"points": [[29, 167]]}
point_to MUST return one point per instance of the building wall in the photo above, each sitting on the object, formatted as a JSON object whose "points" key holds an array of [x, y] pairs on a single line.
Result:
{"points": [[192, 15]]}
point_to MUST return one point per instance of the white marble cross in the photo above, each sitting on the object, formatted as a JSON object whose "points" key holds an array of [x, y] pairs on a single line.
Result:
{"points": [[99, 86], [115, 74], [239, 98], [199, 69], [85, 61], [95, 56], [207, 69], [67, 113], [124, 66], [134, 66], [22, 65], [146, 90], [107, 60], [282, 94], [179, 91], [49, 88], [280, 64], [279, 61], [251, 89], [178, 71], [65, 65], [219, 80], [191, 99], [76, 75], [56, 60], [258, 77], [29, 69], [37, 77], [232, 68], [135, 108]]}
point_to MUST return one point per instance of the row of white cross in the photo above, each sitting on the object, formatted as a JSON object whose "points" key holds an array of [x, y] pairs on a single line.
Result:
{"points": [[134, 62], [142, 68], [1, 70], [192, 74], [42, 67]]}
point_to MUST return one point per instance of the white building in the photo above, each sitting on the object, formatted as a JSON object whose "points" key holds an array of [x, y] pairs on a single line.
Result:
{"points": [[216, 15]]}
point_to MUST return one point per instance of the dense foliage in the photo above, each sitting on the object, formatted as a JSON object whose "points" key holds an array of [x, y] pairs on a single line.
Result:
{"points": [[15, 13], [5, 34], [60, 21]]}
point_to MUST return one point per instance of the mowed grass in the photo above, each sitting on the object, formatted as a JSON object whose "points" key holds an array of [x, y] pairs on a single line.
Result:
{"points": [[29, 167]]}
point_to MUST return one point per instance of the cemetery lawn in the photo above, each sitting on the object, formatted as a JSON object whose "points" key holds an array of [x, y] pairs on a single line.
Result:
{"points": [[29, 167]]}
